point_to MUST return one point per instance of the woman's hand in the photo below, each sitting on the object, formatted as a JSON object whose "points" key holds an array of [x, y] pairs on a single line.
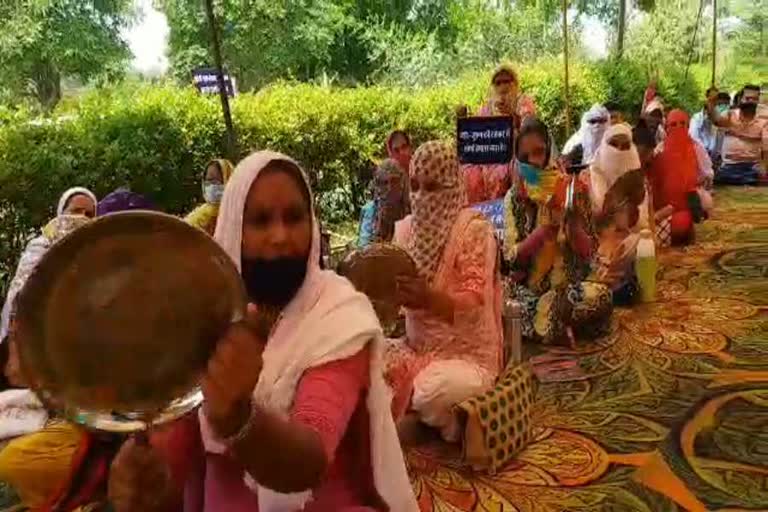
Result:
{"points": [[413, 292], [139, 479], [663, 213], [232, 374]]}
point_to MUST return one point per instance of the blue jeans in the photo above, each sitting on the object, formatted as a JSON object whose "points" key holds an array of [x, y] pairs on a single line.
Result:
{"points": [[741, 173]]}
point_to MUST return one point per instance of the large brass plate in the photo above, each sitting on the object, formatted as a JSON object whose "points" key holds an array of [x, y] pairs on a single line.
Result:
{"points": [[119, 319], [373, 270]]}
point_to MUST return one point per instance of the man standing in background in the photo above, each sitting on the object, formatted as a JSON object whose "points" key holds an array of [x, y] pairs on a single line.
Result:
{"points": [[745, 145]]}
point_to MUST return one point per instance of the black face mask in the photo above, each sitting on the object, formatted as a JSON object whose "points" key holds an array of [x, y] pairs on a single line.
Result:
{"points": [[748, 108], [273, 282]]}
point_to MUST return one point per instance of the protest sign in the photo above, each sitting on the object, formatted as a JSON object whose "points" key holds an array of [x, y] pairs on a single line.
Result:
{"points": [[494, 212], [484, 140]]}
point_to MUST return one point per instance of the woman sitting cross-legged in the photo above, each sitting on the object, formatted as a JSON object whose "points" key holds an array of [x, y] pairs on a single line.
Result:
{"points": [[453, 348], [296, 413], [548, 262], [680, 167]]}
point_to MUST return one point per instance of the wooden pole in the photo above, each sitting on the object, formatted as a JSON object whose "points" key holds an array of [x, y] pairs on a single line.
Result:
{"points": [[714, 41], [231, 149], [693, 39], [567, 77]]}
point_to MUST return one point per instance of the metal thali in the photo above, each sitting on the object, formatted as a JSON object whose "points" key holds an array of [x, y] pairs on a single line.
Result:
{"points": [[374, 270], [118, 321]]}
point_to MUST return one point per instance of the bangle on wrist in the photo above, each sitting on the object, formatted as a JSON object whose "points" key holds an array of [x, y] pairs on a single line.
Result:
{"points": [[238, 436]]}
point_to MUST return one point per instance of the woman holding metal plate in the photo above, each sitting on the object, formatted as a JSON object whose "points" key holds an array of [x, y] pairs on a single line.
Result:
{"points": [[295, 404], [453, 348], [549, 247]]}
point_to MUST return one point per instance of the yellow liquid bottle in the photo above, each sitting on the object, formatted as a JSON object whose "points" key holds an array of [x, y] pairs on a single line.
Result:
{"points": [[645, 266]]}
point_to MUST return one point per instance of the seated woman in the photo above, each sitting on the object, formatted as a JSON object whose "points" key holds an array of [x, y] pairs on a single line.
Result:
{"points": [[75, 203], [653, 112], [399, 149], [215, 178], [548, 261], [296, 414], [488, 182], [616, 156], [586, 141], [389, 204], [453, 348], [621, 206], [680, 174]]}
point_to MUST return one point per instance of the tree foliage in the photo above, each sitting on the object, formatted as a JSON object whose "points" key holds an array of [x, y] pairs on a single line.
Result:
{"points": [[360, 41], [43, 41], [264, 40], [751, 37]]}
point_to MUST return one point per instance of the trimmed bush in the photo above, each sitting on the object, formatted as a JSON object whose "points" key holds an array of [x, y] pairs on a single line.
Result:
{"points": [[156, 140]]}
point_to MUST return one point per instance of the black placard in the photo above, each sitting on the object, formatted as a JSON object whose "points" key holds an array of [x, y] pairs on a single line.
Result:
{"points": [[484, 140], [207, 82]]}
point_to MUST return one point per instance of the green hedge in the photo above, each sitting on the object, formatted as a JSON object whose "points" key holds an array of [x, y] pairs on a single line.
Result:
{"points": [[157, 139]]}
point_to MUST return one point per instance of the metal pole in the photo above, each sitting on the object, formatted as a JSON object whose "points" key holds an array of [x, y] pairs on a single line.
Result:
{"points": [[714, 41], [231, 141], [567, 77]]}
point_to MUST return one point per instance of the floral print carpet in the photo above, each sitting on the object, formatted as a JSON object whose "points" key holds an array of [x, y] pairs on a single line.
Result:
{"points": [[669, 412]]}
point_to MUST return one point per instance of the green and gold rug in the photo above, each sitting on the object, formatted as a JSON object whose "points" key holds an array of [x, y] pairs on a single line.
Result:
{"points": [[668, 413]]}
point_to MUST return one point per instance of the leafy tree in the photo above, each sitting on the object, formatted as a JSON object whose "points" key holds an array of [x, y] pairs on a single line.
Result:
{"points": [[43, 41], [751, 39], [662, 38], [264, 40], [483, 33]]}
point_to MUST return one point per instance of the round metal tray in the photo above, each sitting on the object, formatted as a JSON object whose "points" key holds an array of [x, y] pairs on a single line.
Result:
{"points": [[118, 320], [374, 270]]}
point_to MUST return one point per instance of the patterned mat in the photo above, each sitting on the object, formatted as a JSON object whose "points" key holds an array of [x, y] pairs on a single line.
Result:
{"points": [[667, 413]]}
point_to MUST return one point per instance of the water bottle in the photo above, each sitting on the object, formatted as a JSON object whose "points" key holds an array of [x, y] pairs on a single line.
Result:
{"points": [[645, 266], [513, 337]]}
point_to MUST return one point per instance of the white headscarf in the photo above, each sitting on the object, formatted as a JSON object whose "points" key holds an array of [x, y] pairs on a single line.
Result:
{"points": [[654, 104], [326, 321], [589, 135], [58, 228], [69, 194], [610, 164]]}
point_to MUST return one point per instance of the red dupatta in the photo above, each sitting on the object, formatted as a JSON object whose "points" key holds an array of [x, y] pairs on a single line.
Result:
{"points": [[675, 171]]}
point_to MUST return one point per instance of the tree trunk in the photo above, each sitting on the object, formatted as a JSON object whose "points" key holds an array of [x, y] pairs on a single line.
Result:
{"points": [[46, 85], [621, 29]]}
